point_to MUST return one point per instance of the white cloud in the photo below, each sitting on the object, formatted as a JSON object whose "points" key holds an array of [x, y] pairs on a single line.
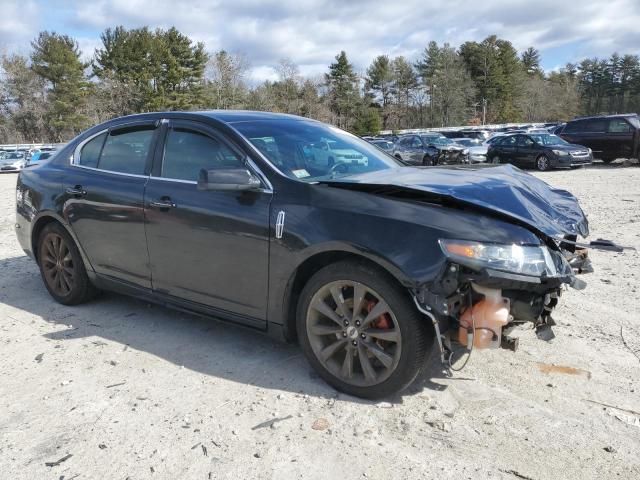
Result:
{"points": [[312, 32]]}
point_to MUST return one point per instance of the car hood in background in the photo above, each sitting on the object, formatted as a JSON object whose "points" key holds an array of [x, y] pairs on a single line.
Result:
{"points": [[504, 189]]}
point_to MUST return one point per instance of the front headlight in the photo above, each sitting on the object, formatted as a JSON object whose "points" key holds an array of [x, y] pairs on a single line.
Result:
{"points": [[560, 153], [528, 260]]}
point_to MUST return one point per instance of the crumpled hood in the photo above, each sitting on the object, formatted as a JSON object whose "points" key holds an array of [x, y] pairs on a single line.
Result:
{"points": [[504, 189]]}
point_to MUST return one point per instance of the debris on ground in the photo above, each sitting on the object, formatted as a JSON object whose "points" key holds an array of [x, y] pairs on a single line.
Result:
{"points": [[58, 462], [320, 424], [271, 422]]}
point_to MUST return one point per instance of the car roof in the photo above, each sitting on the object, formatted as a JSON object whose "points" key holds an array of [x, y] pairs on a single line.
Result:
{"points": [[616, 115], [223, 116]]}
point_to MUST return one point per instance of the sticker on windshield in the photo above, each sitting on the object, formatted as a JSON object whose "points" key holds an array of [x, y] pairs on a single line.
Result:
{"points": [[302, 173]]}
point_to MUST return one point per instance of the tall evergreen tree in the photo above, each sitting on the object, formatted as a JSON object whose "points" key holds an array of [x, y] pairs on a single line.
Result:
{"points": [[343, 90], [380, 82], [531, 61], [56, 58]]}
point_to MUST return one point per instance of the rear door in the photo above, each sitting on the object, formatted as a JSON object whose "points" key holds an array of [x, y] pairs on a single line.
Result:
{"points": [[104, 190], [207, 247], [505, 148], [526, 152]]}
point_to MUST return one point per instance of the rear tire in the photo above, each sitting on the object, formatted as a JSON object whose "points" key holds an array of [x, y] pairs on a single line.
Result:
{"points": [[62, 268], [427, 161], [365, 357]]}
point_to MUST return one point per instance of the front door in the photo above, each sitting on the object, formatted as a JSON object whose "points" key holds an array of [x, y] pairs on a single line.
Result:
{"points": [[104, 193], [207, 247]]}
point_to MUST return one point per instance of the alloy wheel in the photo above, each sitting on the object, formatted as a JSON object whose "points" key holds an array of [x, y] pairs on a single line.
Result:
{"points": [[542, 163], [495, 160], [57, 264], [353, 333]]}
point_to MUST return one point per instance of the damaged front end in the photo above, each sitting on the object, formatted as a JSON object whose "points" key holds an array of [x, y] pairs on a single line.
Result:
{"points": [[486, 289]]}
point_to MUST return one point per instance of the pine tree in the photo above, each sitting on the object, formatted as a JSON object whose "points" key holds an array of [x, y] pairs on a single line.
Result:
{"points": [[380, 82], [56, 58], [531, 61], [343, 91]]}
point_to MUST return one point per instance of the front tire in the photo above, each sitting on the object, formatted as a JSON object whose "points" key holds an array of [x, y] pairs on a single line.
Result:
{"points": [[62, 268], [542, 163], [360, 331], [496, 160]]}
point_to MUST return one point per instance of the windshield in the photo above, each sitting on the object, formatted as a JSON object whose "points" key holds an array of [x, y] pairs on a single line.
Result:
{"points": [[548, 139], [311, 151]]}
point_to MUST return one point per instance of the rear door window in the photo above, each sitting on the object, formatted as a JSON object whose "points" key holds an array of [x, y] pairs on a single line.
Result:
{"points": [[509, 141], [126, 150], [595, 125], [524, 141], [189, 151], [619, 125]]}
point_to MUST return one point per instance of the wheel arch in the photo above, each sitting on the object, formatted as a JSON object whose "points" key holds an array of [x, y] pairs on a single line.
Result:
{"points": [[47, 218], [312, 264]]}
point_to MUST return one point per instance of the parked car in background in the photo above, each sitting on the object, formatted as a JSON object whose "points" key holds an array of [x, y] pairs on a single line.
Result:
{"points": [[477, 151], [386, 145], [610, 136], [13, 161], [541, 151], [557, 129], [367, 265], [328, 153], [481, 135], [40, 156], [429, 149]]}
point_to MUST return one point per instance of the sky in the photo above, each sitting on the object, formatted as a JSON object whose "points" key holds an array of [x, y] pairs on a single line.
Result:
{"points": [[312, 32]]}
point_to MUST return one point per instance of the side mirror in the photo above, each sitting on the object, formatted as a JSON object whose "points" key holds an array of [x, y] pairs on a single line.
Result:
{"points": [[228, 179]]}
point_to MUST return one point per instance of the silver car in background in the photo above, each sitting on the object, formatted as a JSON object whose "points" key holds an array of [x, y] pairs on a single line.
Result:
{"points": [[12, 161], [477, 151]]}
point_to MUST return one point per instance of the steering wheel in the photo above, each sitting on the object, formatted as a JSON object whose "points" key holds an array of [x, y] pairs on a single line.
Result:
{"points": [[336, 169]]}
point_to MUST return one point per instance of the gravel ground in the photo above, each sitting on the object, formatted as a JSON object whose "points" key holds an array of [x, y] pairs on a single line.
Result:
{"points": [[118, 389]]}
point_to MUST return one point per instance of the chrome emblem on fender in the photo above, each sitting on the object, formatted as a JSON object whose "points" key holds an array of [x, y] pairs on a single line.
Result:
{"points": [[280, 224]]}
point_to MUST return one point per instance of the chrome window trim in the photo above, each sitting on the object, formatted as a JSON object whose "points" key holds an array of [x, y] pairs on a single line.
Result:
{"points": [[110, 171]]}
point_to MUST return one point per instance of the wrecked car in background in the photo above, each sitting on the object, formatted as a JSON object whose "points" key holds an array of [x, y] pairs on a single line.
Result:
{"points": [[368, 264]]}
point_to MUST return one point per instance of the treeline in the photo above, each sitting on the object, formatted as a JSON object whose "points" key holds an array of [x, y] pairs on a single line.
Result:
{"points": [[53, 94]]}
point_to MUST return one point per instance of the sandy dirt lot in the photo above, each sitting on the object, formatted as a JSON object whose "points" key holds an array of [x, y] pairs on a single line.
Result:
{"points": [[119, 389]]}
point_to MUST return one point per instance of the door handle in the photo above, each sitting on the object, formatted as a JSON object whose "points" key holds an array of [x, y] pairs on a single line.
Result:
{"points": [[163, 204], [77, 191]]}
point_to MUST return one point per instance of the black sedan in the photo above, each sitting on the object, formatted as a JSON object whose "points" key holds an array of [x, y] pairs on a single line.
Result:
{"points": [[369, 265], [542, 151]]}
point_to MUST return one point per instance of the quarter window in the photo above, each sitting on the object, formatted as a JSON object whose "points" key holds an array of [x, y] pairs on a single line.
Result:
{"points": [[126, 151], [90, 153], [188, 151], [617, 125]]}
